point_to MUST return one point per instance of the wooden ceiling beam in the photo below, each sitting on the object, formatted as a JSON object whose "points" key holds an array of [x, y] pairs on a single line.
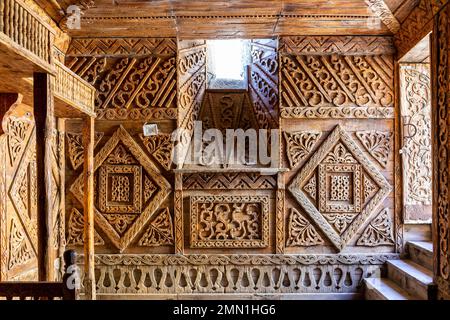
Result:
{"points": [[380, 9]]}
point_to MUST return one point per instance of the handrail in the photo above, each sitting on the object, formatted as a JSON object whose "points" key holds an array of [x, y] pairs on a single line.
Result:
{"points": [[73, 90]]}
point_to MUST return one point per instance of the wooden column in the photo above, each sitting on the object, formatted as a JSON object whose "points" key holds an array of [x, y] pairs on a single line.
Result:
{"points": [[44, 117], [89, 272]]}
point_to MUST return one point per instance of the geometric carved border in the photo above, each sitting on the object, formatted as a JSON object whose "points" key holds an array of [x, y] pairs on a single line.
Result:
{"points": [[237, 203], [122, 136], [339, 241]]}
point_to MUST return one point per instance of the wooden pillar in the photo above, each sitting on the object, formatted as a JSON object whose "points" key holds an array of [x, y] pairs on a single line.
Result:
{"points": [[44, 117], [178, 210], [89, 271]]}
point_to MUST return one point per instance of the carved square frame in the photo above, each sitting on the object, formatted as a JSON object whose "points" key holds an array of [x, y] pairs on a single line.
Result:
{"points": [[121, 135], [104, 203], [296, 187], [243, 244], [355, 170]]}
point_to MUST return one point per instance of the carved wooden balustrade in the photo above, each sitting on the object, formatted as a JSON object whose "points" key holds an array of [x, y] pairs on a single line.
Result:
{"points": [[45, 290], [72, 94], [24, 33]]}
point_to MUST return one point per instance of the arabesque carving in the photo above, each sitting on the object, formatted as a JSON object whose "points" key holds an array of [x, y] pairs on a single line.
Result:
{"points": [[299, 145], [229, 221], [378, 144], [378, 232], [301, 233], [76, 147], [75, 230], [160, 231]]}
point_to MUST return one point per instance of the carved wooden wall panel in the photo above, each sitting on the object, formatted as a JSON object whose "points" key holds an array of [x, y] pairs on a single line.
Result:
{"points": [[415, 85], [337, 118], [441, 102], [263, 82], [136, 81], [18, 217], [328, 78], [18, 221], [135, 78]]}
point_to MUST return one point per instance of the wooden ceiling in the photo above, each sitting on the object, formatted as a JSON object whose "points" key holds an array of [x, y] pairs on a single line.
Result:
{"points": [[205, 19]]}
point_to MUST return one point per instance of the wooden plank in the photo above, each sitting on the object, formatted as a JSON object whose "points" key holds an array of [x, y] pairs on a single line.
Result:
{"points": [[88, 141]]}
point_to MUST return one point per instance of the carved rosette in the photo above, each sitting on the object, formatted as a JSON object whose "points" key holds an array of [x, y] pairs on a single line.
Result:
{"points": [[128, 189], [339, 188]]}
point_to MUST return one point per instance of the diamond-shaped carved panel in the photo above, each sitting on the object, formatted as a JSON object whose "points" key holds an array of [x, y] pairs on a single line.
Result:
{"points": [[128, 189], [339, 188]]}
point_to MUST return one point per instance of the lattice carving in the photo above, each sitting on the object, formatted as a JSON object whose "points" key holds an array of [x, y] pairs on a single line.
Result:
{"points": [[340, 209], [229, 221], [160, 147], [76, 148], [76, 230], [337, 87], [123, 174], [299, 145], [227, 181], [378, 232], [378, 144], [301, 233], [160, 231]]}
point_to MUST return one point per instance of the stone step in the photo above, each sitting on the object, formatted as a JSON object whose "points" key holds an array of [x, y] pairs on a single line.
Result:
{"points": [[385, 289], [421, 252], [411, 277]]}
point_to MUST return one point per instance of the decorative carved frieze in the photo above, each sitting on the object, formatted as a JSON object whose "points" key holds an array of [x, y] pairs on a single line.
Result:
{"points": [[329, 45], [301, 233], [299, 145], [247, 273], [123, 174], [122, 47], [229, 221], [159, 232], [337, 86], [228, 181], [340, 209], [378, 144], [378, 232]]}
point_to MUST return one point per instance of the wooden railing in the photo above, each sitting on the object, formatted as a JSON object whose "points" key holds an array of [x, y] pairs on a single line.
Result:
{"points": [[44, 290], [26, 29], [72, 90]]}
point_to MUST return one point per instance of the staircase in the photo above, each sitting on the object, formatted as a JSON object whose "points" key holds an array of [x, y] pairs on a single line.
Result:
{"points": [[407, 279]]}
